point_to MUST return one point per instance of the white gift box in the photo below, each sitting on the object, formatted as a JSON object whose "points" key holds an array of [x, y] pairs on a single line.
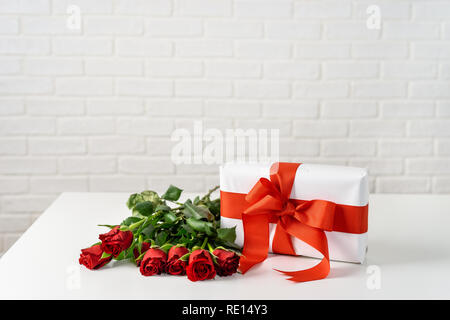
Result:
{"points": [[339, 184]]}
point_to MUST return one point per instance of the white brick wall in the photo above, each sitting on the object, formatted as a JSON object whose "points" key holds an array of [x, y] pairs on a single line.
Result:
{"points": [[92, 109]]}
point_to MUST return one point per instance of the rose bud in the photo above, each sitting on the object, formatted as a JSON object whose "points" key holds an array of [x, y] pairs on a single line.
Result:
{"points": [[91, 257], [116, 241], [175, 266], [153, 262], [144, 248], [227, 262], [201, 266]]}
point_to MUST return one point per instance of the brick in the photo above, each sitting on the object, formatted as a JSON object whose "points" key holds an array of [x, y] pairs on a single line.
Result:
{"points": [[143, 46], [228, 69], [138, 165], [113, 26], [377, 128], [25, 46], [406, 147], [143, 126], [86, 6], [10, 185], [409, 70], [291, 70], [173, 27], [20, 126], [115, 66], [380, 50], [87, 165], [407, 109], [10, 66], [441, 185], [217, 8], [322, 51], [388, 9], [443, 147], [84, 86], [186, 182], [10, 239], [47, 25], [320, 128], [13, 146], [403, 185], [204, 48], [173, 68], [348, 148], [50, 146], [284, 126], [431, 11], [411, 30], [262, 9], [321, 90], [296, 109], [174, 108], [323, 9], [443, 109], [233, 29], [57, 185], [263, 49], [380, 166], [11, 106], [436, 50], [350, 70], [116, 184], [429, 128], [349, 109], [236, 110], [143, 87], [355, 30], [24, 85], [53, 66], [14, 223], [116, 145], [25, 6], [431, 89], [54, 107], [262, 89], [445, 71], [29, 165], [428, 166], [159, 147], [85, 126], [144, 7], [203, 88], [297, 147], [82, 46], [379, 89], [292, 30], [9, 25], [209, 123], [115, 107]]}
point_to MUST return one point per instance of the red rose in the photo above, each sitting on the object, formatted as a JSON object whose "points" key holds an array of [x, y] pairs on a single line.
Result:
{"points": [[175, 266], [91, 257], [201, 266], [115, 241], [153, 262], [144, 248], [227, 262]]}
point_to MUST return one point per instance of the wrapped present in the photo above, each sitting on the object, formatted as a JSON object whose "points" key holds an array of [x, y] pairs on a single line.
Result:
{"points": [[311, 210]]}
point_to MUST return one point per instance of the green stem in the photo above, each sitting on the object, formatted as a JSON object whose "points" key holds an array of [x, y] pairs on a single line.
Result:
{"points": [[211, 249], [210, 192], [204, 243]]}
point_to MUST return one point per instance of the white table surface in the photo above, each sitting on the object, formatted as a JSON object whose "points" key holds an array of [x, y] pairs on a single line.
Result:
{"points": [[409, 242]]}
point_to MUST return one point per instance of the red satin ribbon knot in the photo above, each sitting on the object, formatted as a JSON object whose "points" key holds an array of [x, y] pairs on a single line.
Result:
{"points": [[268, 202]]}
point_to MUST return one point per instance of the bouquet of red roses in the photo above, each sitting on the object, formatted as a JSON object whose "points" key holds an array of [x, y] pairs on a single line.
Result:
{"points": [[165, 236]]}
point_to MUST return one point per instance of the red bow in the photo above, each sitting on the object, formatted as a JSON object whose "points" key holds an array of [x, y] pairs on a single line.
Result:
{"points": [[306, 220]]}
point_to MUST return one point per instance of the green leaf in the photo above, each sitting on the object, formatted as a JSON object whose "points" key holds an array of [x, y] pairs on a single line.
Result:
{"points": [[151, 196], [162, 207], [170, 217], [227, 234], [145, 208], [197, 212], [201, 226], [148, 231], [172, 194], [129, 221], [131, 202], [105, 255], [161, 238]]}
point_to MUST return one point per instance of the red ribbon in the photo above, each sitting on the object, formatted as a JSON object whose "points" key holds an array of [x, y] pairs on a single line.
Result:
{"points": [[268, 202]]}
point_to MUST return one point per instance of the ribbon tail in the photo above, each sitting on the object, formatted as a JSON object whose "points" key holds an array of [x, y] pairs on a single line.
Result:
{"points": [[282, 243], [256, 241], [317, 239]]}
